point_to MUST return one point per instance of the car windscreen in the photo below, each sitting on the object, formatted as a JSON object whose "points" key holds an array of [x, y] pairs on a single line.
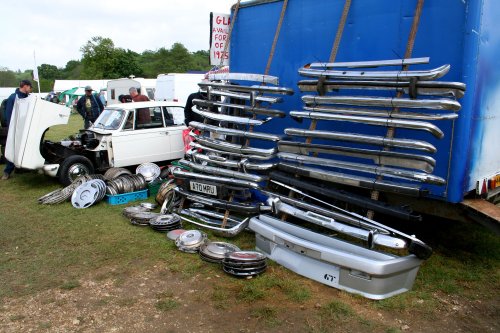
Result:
{"points": [[110, 119]]}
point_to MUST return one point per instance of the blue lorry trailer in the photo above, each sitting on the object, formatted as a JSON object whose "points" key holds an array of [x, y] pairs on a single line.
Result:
{"points": [[462, 33]]}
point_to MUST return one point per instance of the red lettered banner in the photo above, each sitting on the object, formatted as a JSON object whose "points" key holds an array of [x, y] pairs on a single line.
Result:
{"points": [[219, 32]]}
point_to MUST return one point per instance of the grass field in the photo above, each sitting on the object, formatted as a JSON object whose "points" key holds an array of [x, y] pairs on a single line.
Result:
{"points": [[47, 251]]}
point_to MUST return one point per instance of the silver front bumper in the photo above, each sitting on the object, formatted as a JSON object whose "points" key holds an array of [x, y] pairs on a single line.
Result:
{"points": [[333, 262], [50, 169]]}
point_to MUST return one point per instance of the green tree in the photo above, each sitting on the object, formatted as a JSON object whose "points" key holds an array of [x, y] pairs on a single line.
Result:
{"points": [[97, 57], [49, 72], [201, 61], [180, 58], [73, 70], [8, 78], [102, 60], [177, 59]]}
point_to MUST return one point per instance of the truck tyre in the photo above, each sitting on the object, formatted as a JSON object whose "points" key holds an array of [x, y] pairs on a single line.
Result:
{"points": [[74, 166]]}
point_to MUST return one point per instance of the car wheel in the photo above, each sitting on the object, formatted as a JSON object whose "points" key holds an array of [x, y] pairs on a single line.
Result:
{"points": [[73, 167]]}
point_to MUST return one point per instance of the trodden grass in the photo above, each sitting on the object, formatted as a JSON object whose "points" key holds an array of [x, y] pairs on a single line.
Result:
{"points": [[44, 247]]}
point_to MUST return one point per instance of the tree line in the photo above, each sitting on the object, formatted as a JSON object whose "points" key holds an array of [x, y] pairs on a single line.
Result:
{"points": [[102, 60]]}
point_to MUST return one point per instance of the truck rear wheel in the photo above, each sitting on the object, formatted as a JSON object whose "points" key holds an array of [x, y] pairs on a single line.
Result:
{"points": [[74, 166]]}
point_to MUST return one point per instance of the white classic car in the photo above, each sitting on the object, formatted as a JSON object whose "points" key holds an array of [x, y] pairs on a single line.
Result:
{"points": [[123, 135]]}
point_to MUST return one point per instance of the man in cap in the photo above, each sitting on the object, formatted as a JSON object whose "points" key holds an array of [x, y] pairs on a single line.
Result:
{"points": [[23, 91], [89, 107], [143, 115]]}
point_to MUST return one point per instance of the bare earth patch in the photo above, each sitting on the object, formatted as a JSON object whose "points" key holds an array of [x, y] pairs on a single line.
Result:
{"points": [[159, 300]]}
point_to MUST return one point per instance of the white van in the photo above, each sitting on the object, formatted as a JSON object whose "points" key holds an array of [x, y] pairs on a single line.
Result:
{"points": [[121, 87], [176, 87]]}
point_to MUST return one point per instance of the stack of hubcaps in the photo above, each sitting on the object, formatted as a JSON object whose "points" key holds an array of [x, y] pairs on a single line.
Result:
{"points": [[166, 223], [88, 193], [173, 234], [244, 263], [142, 218], [216, 251], [190, 241]]}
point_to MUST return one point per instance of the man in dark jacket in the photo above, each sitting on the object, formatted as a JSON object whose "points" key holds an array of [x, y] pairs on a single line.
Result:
{"points": [[23, 91], [189, 114], [89, 107]]}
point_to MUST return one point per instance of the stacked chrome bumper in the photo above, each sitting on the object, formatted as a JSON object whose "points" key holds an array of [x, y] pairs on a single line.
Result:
{"points": [[222, 159]]}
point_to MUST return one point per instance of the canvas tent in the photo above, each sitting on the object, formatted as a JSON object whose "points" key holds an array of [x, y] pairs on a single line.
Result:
{"points": [[71, 94]]}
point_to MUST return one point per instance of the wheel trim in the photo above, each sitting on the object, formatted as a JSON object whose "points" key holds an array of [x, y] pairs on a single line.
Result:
{"points": [[77, 170]]}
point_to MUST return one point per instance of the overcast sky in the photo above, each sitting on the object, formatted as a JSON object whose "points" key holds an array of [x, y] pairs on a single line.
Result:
{"points": [[56, 29]]}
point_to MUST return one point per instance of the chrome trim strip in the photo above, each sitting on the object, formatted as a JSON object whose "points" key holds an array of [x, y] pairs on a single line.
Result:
{"points": [[434, 104], [246, 108], [217, 151], [431, 74], [222, 172], [209, 223], [381, 157], [373, 169], [231, 119], [233, 148], [388, 122], [234, 132], [361, 138], [417, 247], [336, 213], [370, 236], [352, 180], [375, 63], [244, 96], [432, 88], [253, 88], [244, 77], [384, 113], [243, 164]]}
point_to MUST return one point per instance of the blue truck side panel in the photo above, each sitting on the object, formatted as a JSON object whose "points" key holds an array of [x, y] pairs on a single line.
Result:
{"points": [[461, 33], [485, 113]]}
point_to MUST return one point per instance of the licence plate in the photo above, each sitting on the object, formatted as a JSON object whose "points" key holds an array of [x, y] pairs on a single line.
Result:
{"points": [[203, 188]]}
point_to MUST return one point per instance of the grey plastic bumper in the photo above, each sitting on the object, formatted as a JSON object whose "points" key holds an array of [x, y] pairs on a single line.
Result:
{"points": [[333, 262]]}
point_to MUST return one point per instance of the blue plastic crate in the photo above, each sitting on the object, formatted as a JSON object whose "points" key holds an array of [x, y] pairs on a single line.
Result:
{"points": [[120, 199]]}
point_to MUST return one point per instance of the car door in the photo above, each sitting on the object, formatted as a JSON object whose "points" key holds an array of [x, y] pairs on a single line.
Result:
{"points": [[174, 120], [148, 141]]}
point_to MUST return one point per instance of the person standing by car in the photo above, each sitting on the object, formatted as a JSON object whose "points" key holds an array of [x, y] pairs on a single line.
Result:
{"points": [[143, 115], [89, 107], [23, 91]]}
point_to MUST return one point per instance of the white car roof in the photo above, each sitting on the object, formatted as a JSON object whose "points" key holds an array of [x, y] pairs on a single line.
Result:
{"points": [[135, 105]]}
